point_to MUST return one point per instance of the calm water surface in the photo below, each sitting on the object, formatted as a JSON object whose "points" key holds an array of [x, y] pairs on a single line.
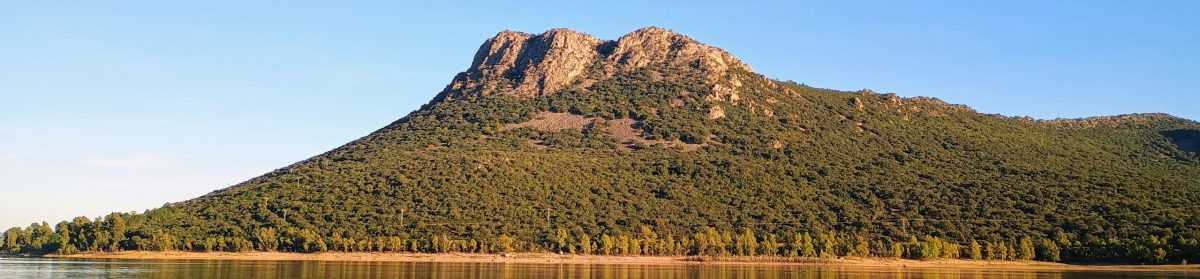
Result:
{"points": [[59, 268]]}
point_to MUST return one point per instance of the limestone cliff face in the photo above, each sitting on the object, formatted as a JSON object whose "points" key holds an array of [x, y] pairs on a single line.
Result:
{"points": [[527, 66]]}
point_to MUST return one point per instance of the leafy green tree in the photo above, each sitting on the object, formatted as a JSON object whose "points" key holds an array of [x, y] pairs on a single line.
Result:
{"points": [[267, 239], [11, 237], [770, 245], [1047, 251], [562, 237], [607, 244], [505, 244], [827, 242], [747, 243], [585, 244], [702, 243], [897, 250], [117, 229], [1025, 250], [862, 248], [808, 248], [648, 240], [976, 250], [63, 239]]}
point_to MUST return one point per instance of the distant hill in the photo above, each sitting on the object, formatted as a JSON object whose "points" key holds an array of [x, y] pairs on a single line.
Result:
{"points": [[657, 144]]}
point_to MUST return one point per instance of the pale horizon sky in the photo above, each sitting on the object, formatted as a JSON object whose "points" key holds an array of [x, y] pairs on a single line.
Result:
{"points": [[127, 105]]}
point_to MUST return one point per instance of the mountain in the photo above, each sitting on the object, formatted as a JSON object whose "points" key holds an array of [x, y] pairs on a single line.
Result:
{"points": [[657, 144]]}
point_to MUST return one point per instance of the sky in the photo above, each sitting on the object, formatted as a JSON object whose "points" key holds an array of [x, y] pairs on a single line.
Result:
{"points": [[126, 105]]}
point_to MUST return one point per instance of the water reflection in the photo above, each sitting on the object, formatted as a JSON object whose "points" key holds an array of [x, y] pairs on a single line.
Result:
{"points": [[52, 268]]}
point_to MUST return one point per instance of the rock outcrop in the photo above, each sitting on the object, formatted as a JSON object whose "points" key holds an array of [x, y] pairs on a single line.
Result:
{"points": [[527, 66]]}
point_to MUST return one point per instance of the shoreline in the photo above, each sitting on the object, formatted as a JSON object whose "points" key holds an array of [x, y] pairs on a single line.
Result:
{"points": [[550, 258]]}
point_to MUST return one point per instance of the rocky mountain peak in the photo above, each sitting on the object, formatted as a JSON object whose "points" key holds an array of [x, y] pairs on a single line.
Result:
{"points": [[526, 65]]}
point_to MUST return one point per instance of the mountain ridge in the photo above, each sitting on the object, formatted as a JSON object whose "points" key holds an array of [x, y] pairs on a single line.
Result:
{"points": [[527, 65]]}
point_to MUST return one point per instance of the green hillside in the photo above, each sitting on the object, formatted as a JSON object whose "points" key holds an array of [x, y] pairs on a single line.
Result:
{"points": [[643, 162]]}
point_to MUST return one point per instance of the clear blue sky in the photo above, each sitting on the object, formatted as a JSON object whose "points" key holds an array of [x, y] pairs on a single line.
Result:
{"points": [[123, 106]]}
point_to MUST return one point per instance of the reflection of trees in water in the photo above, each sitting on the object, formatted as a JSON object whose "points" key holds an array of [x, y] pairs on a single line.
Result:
{"points": [[330, 269]]}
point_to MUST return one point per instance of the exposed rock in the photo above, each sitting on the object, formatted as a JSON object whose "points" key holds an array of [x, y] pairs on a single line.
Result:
{"points": [[716, 112], [677, 103], [858, 103], [892, 98], [526, 65], [653, 45], [776, 144]]}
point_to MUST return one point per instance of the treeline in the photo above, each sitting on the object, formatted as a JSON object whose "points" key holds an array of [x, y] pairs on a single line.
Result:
{"points": [[111, 234]]}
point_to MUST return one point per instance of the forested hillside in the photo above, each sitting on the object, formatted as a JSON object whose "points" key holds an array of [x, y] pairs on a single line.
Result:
{"points": [[703, 157]]}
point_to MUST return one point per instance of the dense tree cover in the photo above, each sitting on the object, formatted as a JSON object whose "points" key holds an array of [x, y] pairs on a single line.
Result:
{"points": [[789, 171]]}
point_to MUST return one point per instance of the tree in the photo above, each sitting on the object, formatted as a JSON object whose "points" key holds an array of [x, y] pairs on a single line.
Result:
{"points": [[794, 246], [770, 245], [162, 241], [83, 233], [897, 250], [505, 243], [747, 244], [808, 248], [976, 251], [66, 245], [726, 243], [10, 240], [563, 237], [701, 243], [1047, 251], [827, 243], [716, 241], [951, 250], [585, 244], [1160, 255], [267, 239], [607, 243], [117, 229], [862, 248], [1010, 252], [649, 240], [1025, 249]]}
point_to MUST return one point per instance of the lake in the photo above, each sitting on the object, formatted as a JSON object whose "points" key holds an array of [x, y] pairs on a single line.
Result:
{"points": [[63, 268]]}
